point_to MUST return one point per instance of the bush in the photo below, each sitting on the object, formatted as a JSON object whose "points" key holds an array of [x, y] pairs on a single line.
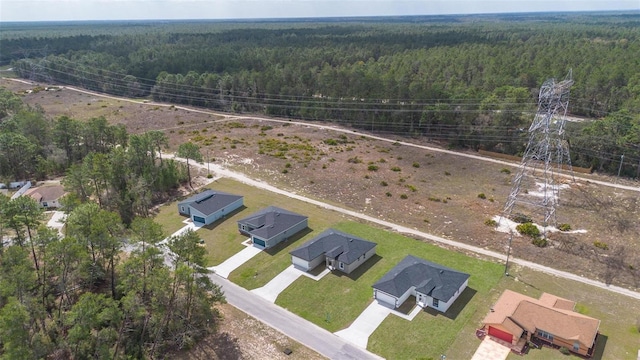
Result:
{"points": [[332, 142], [395, 168], [209, 176], [355, 160], [601, 245], [564, 227], [491, 222], [521, 218], [388, 194], [404, 196], [416, 165], [565, 351], [505, 171], [528, 229], [285, 171], [372, 168], [446, 173], [482, 196], [383, 183], [540, 242]]}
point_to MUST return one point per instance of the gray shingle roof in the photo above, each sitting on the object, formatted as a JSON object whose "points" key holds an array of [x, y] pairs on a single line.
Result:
{"points": [[429, 278], [209, 201], [271, 221], [334, 244]]}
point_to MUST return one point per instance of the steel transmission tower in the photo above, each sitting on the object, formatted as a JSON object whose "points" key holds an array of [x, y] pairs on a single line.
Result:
{"points": [[547, 149]]}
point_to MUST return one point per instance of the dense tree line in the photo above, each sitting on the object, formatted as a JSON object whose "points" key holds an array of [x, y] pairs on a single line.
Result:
{"points": [[78, 297], [468, 81], [123, 173]]}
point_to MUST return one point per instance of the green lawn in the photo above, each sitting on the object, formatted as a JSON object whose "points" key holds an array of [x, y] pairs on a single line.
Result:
{"points": [[336, 300]]}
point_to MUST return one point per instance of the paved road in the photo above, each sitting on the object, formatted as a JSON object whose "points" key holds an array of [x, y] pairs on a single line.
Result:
{"points": [[297, 328]]}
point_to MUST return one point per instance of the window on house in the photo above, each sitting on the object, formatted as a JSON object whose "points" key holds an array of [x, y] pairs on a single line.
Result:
{"points": [[576, 346], [341, 264], [182, 208], [545, 335], [436, 302]]}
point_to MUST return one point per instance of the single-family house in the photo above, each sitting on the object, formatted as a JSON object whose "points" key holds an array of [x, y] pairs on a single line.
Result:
{"points": [[47, 196], [516, 319], [272, 225], [209, 206], [433, 285], [336, 249]]}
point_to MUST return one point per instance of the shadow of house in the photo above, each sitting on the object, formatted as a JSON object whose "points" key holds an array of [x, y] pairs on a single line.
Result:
{"points": [[339, 251], [291, 240], [433, 285], [272, 225], [357, 273], [455, 309]]}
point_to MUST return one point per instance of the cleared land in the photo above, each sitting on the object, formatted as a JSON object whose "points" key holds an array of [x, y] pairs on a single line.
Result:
{"points": [[430, 191]]}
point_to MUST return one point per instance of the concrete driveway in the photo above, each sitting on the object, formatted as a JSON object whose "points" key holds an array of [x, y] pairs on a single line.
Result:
{"points": [[236, 261], [491, 350], [57, 221], [359, 331], [282, 281]]}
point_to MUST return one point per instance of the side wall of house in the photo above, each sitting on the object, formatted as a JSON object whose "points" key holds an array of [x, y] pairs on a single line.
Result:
{"points": [[444, 306], [306, 265], [361, 260]]}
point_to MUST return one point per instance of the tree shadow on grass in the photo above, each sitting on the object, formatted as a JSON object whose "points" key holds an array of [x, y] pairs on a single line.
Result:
{"points": [[456, 307], [292, 239], [357, 273], [216, 223]]}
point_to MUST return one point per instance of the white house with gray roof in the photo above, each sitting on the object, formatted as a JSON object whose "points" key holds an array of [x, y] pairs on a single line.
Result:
{"points": [[271, 226], [433, 285], [209, 206], [336, 249]]}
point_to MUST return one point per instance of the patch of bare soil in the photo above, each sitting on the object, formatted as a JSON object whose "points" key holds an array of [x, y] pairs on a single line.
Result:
{"points": [[243, 337], [431, 191]]}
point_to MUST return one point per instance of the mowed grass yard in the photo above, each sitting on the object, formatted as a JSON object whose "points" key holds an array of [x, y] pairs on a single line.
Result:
{"points": [[337, 300]]}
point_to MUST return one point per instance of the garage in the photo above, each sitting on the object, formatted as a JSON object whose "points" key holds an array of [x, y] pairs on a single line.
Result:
{"points": [[259, 242], [198, 219], [502, 335]]}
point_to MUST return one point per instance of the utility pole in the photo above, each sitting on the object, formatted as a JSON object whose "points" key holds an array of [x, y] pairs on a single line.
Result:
{"points": [[621, 161]]}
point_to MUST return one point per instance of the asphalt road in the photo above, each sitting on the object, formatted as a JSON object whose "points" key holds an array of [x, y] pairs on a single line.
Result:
{"points": [[297, 328]]}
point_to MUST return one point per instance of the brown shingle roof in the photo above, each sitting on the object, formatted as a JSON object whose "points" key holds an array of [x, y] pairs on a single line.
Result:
{"points": [[46, 193], [517, 312]]}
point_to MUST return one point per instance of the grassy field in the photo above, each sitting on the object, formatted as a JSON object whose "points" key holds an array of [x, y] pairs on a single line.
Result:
{"points": [[336, 300]]}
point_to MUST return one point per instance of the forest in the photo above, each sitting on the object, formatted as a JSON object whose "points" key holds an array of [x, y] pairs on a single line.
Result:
{"points": [[106, 289], [467, 81]]}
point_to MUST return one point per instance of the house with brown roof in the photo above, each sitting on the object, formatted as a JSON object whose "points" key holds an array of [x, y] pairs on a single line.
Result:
{"points": [[47, 196], [516, 319]]}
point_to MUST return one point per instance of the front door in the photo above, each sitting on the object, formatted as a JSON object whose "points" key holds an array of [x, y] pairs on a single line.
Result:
{"points": [[331, 264], [421, 300]]}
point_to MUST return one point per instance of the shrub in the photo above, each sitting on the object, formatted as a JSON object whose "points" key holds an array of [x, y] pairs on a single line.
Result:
{"points": [[383, 183], [482, 196], [540, 242], [564, 227], [209, 176], [354, 160], [372, 168], [395, 168], [266, 128], [521, 218], [287, 165], [447, 173], [284, 171], [491, 222], [412, 188], [505, 171], [388, 194], [601, 245], [416, 165], [565, 351], [434, 199], [331, 142], [403, 196], [528, 229]]}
